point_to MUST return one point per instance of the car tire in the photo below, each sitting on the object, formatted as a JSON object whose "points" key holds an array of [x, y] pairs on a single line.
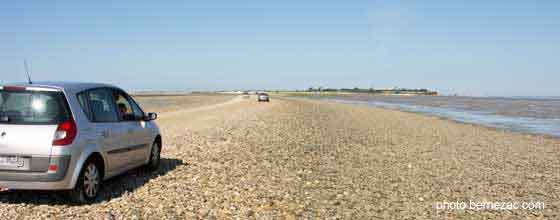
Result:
{"points": [[88, 186], [155, 157]]}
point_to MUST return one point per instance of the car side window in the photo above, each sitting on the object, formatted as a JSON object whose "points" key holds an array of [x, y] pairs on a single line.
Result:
{"points": [[124, 106], [83, 100], [102, 105], [138, 113]]}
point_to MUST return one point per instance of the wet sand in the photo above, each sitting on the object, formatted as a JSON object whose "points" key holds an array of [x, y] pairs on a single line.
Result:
{"points": [[536, 115], [299, 159]]}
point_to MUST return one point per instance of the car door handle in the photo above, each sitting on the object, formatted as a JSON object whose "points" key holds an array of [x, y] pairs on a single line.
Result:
{"points": [[130, 130], [105, 134]]}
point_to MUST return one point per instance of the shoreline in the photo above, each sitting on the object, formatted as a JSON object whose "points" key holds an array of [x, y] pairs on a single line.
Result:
{"points": [[435, 115]]}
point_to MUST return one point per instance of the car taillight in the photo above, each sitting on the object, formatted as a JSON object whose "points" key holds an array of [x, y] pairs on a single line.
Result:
{"points": [[65, 133], [53, 167]]}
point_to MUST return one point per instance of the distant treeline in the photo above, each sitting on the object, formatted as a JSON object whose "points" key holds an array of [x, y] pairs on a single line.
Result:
{"points": [[374, 91]]}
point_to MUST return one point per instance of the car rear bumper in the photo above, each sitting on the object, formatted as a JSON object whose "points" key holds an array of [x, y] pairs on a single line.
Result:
{"points": [[38, 177], [15, 185]]}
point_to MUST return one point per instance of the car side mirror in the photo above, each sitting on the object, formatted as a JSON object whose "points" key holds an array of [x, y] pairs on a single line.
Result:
{"points": [[150, 116]]}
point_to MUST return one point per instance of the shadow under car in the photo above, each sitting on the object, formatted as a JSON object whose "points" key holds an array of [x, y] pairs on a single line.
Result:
{"points": [[112, 188]]}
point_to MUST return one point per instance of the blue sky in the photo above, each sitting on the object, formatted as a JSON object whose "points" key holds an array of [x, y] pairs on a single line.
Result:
{"points": [[496, 48]]}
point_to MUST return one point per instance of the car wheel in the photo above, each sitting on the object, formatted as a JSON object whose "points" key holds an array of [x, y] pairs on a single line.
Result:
{"points": [[88, 185], [155, 158]]}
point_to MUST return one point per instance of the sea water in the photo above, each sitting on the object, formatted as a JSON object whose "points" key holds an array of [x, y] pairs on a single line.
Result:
{"points": [[539, 115]]}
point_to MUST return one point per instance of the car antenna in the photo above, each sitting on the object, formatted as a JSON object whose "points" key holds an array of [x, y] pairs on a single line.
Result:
{"points": [[27, 72]]}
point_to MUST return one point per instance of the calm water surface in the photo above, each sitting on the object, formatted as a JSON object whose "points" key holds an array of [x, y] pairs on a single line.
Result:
{"points": [[540, 115]]}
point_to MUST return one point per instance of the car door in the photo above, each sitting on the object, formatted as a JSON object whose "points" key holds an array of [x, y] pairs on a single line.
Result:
{"points": [[135, 128], [145, 132], [112, 136]]}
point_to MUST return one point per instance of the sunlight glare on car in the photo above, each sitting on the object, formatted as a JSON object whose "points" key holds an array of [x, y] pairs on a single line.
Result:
{"points": [[38, 105]]}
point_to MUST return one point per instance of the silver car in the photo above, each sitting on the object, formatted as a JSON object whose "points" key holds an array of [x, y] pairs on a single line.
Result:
{"points": [[263, 97], [72, 136]]}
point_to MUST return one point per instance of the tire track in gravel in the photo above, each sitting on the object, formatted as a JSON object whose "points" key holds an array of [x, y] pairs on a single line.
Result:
{"points": [[202, 108]]}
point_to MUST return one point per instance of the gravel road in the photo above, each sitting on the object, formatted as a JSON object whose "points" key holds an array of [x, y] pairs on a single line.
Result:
{"points": [[296, 159]]}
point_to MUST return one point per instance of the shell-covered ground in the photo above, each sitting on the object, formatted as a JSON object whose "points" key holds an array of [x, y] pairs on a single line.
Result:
{"points": [[231, 157]]}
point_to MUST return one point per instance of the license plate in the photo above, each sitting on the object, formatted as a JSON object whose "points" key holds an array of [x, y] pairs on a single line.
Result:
{"points": [[11, 161]]}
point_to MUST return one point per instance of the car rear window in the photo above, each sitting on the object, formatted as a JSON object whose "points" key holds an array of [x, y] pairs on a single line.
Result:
{"points": [[33, 107]]}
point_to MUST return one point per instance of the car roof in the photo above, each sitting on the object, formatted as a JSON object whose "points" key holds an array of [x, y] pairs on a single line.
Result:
{"points": [[66, 86]]}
